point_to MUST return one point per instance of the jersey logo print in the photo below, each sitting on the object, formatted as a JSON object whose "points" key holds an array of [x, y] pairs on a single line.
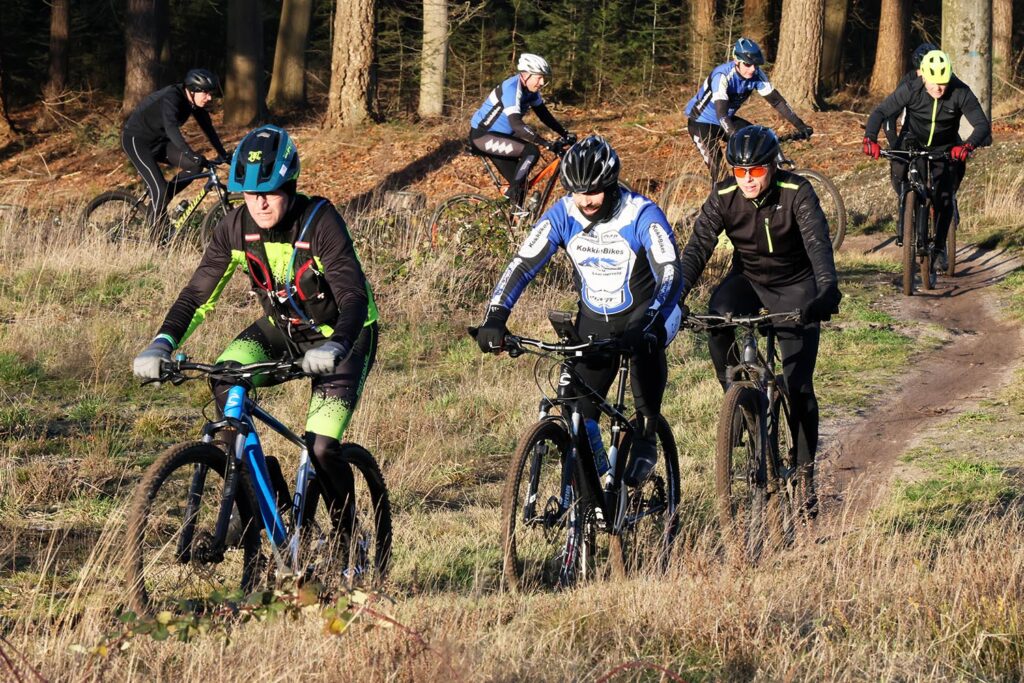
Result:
{"points": [[498, 146], [604, 263]]}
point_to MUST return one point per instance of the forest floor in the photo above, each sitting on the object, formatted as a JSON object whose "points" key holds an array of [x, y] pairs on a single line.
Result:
{"points": [[915, 571]]}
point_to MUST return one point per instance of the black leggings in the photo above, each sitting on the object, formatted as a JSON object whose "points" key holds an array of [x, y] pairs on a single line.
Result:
{"points": [[146, 157], [708, 139], [512, 156], [798, 346]]}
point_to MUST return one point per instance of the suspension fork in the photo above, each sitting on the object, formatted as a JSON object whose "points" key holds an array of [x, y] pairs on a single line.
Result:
{"points": [[188, 529]]}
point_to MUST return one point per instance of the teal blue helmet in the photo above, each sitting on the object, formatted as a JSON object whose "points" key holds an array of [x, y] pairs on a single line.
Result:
{"points": [[264, 161]]}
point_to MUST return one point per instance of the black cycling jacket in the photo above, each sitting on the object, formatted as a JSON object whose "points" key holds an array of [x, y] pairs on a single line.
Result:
{"points": [[933, 123], [780, 238], [159, 118]]}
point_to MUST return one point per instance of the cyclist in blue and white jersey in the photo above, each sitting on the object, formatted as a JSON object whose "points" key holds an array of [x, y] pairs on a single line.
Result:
{"points": [[497, 128], [711, 113], [627, 276]]}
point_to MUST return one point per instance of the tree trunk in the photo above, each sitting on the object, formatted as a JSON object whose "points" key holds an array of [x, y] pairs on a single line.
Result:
{"points": [[243, 93], [799, 62], [288, 83], [702, 38], [892, 46], [967, 39], [832, 44], [6, 127], [757, 23], [1002, 43], [60, 30], [435, 52], [142, 35], [349, 97]]}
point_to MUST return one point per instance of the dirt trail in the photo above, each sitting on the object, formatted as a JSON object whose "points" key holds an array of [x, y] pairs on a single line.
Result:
{"points": [[857, 458]]}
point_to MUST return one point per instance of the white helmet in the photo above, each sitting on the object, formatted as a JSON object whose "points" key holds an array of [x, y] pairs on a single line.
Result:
{"points": [[534, 64]]}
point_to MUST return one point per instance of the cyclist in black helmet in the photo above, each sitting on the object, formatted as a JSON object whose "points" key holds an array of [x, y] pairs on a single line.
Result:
{"points": [[711, 113], [626, 273], [152, 135], [782, 261]]}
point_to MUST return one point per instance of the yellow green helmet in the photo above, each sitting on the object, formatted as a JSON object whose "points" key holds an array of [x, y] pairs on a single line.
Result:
{"points": [[936, 68]]}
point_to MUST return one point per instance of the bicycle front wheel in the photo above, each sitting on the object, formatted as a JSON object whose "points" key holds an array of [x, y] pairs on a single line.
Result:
{"points": [[741, 473], [119, 217], [345, 543], [909, 241], [951, 241], [171, 561], [214, 216], [831, 204], [652, 519], [788, 492]]}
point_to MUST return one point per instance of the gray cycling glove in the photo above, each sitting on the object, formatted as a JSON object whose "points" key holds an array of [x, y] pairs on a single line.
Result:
{"points": [[325, 358], [147, 364]]}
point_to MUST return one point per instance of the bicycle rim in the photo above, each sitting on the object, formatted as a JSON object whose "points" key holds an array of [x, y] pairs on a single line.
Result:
{"points": [[909, 242], [166, 536], [347, 545], [831, 204], [740, 473], [652, 521], [119, 217]]}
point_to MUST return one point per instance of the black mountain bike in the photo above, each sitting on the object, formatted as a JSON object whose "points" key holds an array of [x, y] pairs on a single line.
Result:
{"points": [[557, 505], [199, 515], [683, 196], [760, 497], [126, 217], [915, 221]]}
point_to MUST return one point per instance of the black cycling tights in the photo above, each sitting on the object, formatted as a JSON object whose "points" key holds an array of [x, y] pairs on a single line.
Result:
{"points": [[708, 139], [146, 157], [798, 346], [513, 158]]}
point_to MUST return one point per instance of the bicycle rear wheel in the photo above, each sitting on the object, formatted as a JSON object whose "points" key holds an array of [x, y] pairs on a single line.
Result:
{"points": [[171, 522], [214, 216], [543, 548], [909, 241], [651, 513], [348, 546], [741, 473], [119, 216], [831, 204]]}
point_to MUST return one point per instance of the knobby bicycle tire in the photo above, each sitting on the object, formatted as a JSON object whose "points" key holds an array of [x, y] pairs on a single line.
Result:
{"points": [[162, 571], [213, 217], [909, 240], [924, 263], [741, 473], [347, 545], [831, 204], [681, 200], [648, 544], [951, 241], [539, 549], [119, 217], [788, 493]]}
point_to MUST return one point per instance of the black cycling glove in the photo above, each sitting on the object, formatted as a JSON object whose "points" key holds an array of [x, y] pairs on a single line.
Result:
{"points": [[647, 334], [823, 306], [490, 336]]}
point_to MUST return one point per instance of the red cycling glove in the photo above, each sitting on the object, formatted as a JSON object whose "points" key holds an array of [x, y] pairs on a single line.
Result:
{"points": [[872, 148], [962, 152]]}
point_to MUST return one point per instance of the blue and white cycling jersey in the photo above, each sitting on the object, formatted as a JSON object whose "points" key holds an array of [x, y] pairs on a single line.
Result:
{"points": [[725, 83], [625, 263], [508, 98]]}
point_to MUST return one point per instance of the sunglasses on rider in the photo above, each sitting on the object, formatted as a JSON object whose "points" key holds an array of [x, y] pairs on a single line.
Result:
{"points": [[746, 64], [754, 171]]}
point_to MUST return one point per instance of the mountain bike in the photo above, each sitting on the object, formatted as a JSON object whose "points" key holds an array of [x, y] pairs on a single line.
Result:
{"points": [[759, 491], [197, 517], [557, 506], [123, 216], [915, 224], [682, 197]]}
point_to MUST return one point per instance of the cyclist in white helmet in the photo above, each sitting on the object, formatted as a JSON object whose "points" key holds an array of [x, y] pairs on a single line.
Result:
{"points": [[497, 128]]}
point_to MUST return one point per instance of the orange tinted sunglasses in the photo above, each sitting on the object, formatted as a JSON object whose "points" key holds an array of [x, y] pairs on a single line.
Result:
{"points": [[754, 171]]}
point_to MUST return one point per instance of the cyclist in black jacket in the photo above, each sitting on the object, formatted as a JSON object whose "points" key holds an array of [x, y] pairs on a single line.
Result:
{"points": [[935, 104], [152, 135], [782, 261], [890, 126]]}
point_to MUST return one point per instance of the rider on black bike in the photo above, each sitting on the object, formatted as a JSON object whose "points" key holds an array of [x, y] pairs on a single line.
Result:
{"points": [[152, 134], [935, 103], [626, 274], [497, 128], [711, 113], [302, 265], [782, 261]]}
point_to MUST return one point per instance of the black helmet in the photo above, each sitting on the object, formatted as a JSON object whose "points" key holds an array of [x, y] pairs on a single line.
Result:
{"points": [[202, 80], [748, 51], [752, 146], [590, 165], [918, 54]]}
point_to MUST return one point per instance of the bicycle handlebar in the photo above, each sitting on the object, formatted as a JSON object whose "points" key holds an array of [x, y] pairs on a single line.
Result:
{"points": [[791, 137], [906, 154], [174, 371], [515, 345], [712, 321]]}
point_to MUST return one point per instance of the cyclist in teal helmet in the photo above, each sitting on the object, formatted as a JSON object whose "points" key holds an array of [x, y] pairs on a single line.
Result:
{"points": [[302, 264]]}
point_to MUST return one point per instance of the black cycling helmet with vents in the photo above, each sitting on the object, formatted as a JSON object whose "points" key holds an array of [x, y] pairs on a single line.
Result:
{"points": [[591, 165], [752, 146], [202, 80]]}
